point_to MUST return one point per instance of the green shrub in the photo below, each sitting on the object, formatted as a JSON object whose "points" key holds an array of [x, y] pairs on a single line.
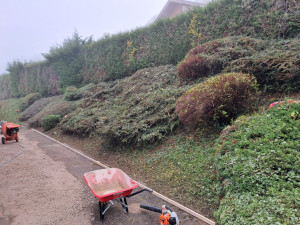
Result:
{"points": [[50, 121], [29, 100], [218, 99], [258, 168], [72, 94]]}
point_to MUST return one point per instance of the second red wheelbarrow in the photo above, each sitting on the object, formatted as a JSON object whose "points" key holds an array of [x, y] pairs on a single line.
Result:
{"points": [[111, 184]]}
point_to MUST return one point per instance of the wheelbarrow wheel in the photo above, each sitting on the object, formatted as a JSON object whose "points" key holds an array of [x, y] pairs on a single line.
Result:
{"points": [[3, 140]]}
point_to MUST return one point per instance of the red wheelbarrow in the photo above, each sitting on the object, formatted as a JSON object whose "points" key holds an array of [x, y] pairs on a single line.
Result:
{"points": [[111, 184], [10, 132]]}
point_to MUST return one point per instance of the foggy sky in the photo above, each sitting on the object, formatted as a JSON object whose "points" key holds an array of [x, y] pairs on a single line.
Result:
{"points": [[29, 28]]}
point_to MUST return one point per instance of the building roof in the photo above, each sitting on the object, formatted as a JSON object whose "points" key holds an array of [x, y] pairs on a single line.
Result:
{"points": [[171, 7]]}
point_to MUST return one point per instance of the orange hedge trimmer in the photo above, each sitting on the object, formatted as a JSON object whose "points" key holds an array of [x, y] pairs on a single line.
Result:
{"points": [[167, 217]]}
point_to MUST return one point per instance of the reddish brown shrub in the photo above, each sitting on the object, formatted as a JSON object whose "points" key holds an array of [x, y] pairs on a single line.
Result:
{"points": [[219, 99], [208, 47], [212, 57], [193, 67]]}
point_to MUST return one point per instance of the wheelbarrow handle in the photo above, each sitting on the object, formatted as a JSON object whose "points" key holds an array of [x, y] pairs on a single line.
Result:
{"points": [[133, 194]]}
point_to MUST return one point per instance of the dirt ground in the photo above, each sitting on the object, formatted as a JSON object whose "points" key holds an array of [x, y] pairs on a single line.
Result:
{"points": [[45, 185]]}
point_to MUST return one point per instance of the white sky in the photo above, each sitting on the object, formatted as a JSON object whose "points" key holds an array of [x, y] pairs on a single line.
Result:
{"points": [[29, 28]]}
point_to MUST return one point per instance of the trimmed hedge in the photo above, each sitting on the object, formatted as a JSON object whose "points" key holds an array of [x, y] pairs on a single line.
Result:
{"points": [[34, 77], [80, 61], [219, 99], [5, 90]]}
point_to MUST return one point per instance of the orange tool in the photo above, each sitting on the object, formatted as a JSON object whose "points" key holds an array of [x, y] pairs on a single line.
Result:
{"points": [[167, 216], [10, 132]]}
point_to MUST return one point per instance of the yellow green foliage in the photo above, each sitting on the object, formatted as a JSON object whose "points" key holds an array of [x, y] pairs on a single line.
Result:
{"points": [[218, 99]]}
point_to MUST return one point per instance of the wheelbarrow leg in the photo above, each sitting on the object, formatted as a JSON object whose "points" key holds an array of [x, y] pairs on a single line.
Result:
{"points": [[125, 201], [124, 205], [101, 209]]}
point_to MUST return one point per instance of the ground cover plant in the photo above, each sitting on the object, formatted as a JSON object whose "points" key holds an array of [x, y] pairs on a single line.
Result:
{"points": [[276, 68], [138, 109], [28, 100], [35, 108], [56, 106], [258, 166], [213, 56], [275, 64]]}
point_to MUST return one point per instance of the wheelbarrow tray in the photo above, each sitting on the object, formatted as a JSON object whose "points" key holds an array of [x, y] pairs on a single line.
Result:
{"points": [[109, 184]]}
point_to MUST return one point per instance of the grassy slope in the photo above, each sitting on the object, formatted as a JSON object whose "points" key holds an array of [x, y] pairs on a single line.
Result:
{"points": [[9, 110]]}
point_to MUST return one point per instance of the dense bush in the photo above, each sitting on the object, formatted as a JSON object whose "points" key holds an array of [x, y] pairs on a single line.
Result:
{"points": [[28, 100], [50, 121], [258, 166], [72, 94], [218, 99]]}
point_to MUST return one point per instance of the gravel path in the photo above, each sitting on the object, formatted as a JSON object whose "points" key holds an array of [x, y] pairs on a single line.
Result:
{"points": [[44, 185]]}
